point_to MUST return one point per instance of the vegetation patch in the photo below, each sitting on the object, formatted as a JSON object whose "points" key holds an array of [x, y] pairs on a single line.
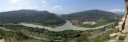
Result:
{"points": [[99, 23], [121, 37], [16, 37]]}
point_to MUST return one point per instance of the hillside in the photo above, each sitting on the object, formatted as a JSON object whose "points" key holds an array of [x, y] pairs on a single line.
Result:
{"points": [[94, 14], [19, 33], [30, 16], [91, 17]]}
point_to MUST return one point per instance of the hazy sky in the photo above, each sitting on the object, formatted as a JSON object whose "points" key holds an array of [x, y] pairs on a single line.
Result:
{"points": [[62, 6]]}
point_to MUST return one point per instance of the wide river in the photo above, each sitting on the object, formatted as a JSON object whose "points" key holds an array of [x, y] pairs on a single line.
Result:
{"points": [[67, 26]]}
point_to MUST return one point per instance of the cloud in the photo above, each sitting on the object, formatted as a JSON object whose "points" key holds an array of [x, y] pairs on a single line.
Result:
{"points": [[57, 7], [44, 2], [14, 1], [117, 10], [17, 5], [1, 9]]}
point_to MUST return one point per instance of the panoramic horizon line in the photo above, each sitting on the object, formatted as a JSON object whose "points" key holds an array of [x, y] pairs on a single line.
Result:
{"points": [[57, 13]]}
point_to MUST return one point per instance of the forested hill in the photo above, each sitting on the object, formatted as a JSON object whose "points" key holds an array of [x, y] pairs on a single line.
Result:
{"points": [[47, 18], [31, 16], [91, 15]]}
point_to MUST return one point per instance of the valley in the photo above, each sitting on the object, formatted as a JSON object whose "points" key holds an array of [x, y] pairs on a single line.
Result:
{"points": [[63, 20], [43, 26], [46, 35]]}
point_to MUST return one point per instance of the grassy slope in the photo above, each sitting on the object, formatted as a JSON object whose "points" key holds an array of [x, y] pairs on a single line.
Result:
{"points": [[68, 35], [16, 37], [103, 38]]}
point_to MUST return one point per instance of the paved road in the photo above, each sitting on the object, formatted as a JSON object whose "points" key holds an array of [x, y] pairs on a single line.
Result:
{"points": [[2, 40]]}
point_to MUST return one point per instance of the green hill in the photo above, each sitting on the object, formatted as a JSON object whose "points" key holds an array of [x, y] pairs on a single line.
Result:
{"points": [[91, 18], [91, 14], [30, 16]]}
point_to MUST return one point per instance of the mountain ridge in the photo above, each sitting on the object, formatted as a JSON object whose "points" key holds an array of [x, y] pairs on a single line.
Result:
{"points": [[30, 16], [93, 17], [92, 13]]}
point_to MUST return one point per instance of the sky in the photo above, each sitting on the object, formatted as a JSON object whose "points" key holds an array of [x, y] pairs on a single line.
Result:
{"points": [[63, 6]]}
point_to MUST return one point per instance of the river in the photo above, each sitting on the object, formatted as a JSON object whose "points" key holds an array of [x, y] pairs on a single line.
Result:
{"points": [[67, 26]]}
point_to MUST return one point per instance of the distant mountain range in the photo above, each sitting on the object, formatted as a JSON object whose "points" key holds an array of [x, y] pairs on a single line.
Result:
{"points": [[121, 13], [47, 18], [92, 14]]}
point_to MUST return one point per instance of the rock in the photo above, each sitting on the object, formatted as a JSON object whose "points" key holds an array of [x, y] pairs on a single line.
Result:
{"points": [[113, 35]]}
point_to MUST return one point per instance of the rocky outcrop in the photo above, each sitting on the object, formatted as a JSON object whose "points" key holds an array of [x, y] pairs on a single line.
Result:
{"points": [[122, 27]]}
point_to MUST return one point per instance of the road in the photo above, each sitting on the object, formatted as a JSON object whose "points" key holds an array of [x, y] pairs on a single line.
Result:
{"points": [[2, 40]]}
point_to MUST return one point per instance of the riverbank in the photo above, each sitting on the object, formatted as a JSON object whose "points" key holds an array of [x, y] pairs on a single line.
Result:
{"points": [[67, 26], [75, 35]]}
